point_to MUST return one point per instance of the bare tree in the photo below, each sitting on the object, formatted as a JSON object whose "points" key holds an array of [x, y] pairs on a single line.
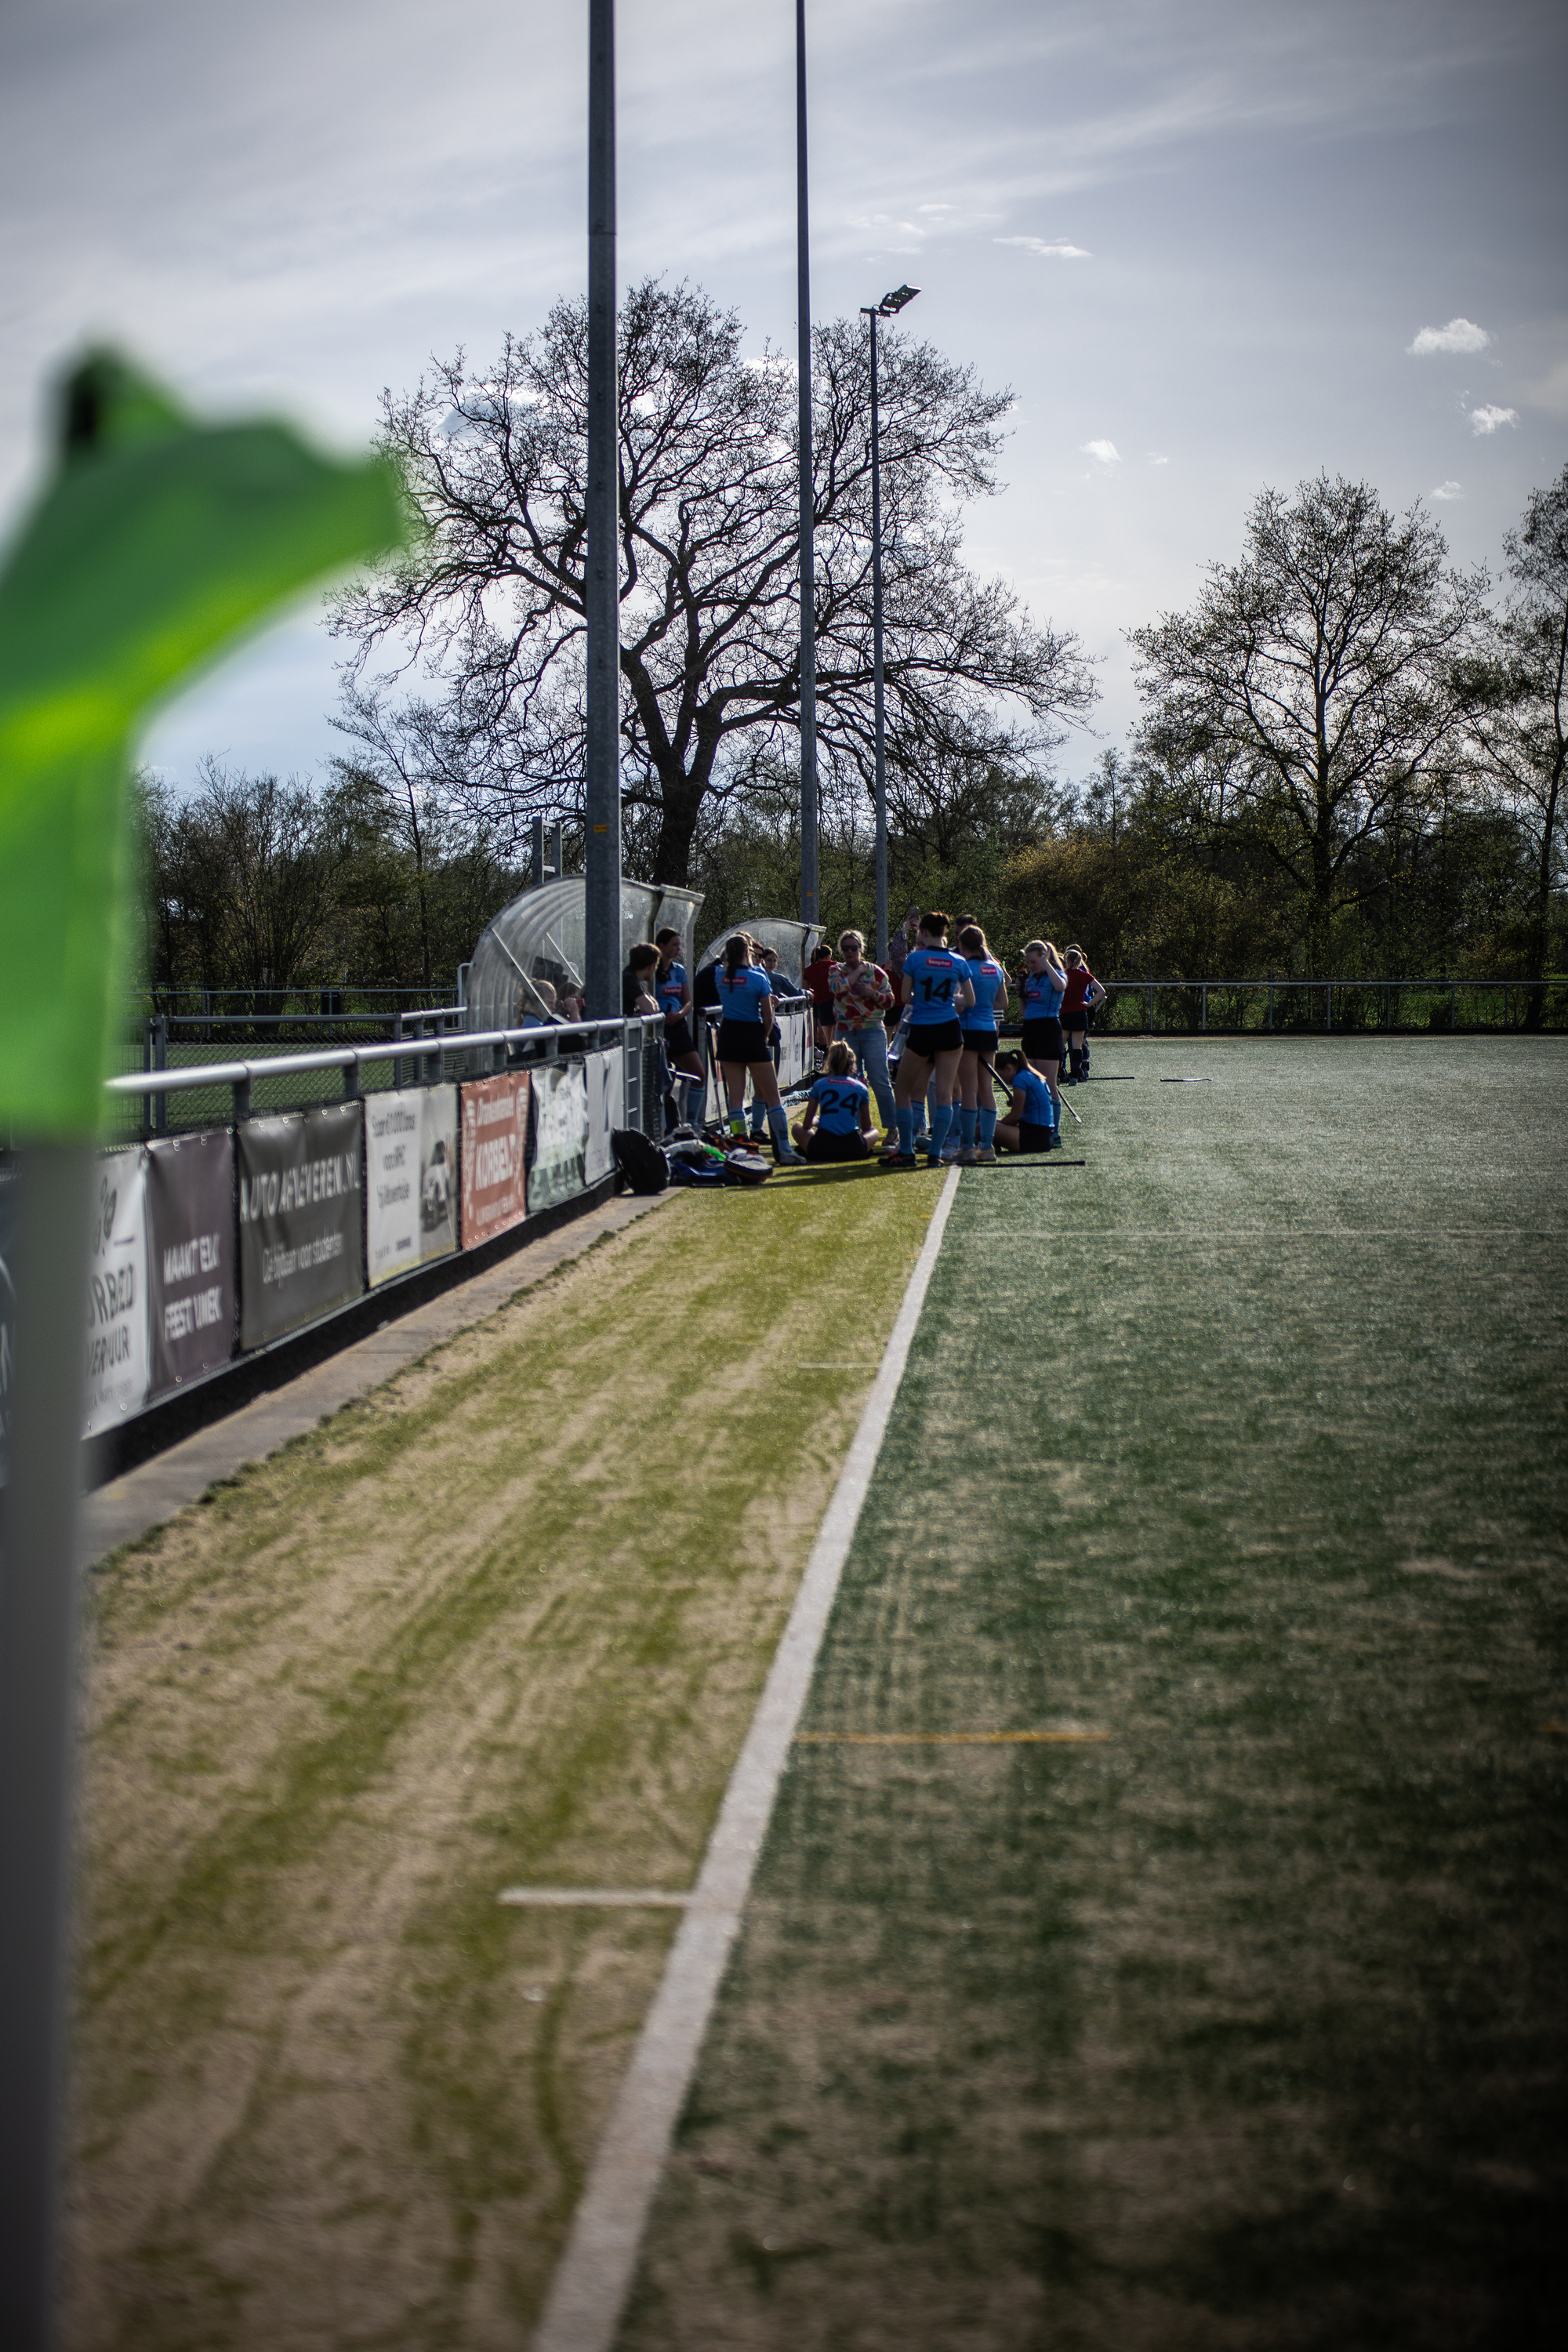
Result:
{"points": [[491, 604], [1317, 681], [1518, 703], [253, 870]]}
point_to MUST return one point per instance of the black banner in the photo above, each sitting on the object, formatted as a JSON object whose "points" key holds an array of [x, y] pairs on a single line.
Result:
{"points": [[190, 1255], [302, 1218]]}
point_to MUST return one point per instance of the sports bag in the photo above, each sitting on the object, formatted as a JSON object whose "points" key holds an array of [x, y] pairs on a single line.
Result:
{"points": [[638, 1164]]}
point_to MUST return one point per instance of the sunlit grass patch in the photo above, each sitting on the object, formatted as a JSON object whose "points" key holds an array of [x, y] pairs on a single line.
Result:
{"points": [[503, 1621]]}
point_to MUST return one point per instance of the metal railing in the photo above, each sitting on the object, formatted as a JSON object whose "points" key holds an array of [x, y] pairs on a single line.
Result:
{"points": [[1330, 1007], [416, 1059]]}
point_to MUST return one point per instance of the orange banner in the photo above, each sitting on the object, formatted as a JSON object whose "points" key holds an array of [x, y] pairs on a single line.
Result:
{"points": [[495, 1150]]}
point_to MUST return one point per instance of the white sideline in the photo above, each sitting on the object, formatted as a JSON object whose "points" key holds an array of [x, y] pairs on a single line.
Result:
{"points": [[594, 2273]]}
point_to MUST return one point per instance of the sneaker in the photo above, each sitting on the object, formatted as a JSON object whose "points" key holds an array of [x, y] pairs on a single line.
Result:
{"points": [[984, 1155], [950, 1154], [787, 1155], [900, 1160], [969, 1155]]}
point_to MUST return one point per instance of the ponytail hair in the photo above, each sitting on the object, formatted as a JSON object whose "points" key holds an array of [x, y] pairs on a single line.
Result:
{"points": [[840, 1059], [936, 923], [972, 940], [737, 952]]}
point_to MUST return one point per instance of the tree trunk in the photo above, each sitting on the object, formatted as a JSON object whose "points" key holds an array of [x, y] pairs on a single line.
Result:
{"points": [[681, 802]]}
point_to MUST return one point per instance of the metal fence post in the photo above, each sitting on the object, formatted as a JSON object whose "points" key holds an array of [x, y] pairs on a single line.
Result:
{"points": [[1204, 1006], [1453, 1014], [1329, 1006], [161, 1062]]}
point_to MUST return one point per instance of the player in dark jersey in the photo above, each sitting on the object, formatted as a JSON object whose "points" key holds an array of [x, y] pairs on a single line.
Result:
{"points": [[1082, 994], [838, 1124], [1031, 1124], [747, 1004], [936, 988]]}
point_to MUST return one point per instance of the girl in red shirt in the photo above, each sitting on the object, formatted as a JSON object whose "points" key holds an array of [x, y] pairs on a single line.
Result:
{"points": [[1082, 993]]}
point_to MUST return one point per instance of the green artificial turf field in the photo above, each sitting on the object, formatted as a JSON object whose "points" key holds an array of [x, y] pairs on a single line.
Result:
{"points": [[1242, 2024]]}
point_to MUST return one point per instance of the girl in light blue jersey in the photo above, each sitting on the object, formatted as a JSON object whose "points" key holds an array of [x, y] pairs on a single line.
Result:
{"points": [[1032, 1121], [936, 988], [746, 1003], [979, 1025], [837, 1123], [1040, 987], [673, 990]]}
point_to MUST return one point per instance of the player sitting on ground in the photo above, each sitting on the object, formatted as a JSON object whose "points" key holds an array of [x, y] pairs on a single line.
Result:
{"points": [[936, 988], [1031, 1123], [837, 1123]]}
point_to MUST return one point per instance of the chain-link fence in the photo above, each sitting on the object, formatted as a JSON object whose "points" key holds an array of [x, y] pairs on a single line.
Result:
{"points": [[1336, 1007]]}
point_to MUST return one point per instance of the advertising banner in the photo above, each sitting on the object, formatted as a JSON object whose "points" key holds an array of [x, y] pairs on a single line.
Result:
{"points": [[495, 1146], [8, 1313], [190, 1248], [117, 1294], [796, 1055], [560, 1135], [300, 1218], [606, 1091], [411, 1178]]}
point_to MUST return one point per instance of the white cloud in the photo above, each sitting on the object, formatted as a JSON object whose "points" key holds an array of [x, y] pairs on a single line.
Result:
{"points": [[1459, 335], [1156, 457], [1106, 451], [1049, 249], [1488, 419], [1449, 490]]}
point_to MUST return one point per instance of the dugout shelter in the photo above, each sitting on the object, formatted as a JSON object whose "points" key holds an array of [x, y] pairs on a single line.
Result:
{"points": [[540, 936]]}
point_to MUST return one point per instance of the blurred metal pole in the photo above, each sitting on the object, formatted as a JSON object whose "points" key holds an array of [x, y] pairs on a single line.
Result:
{"points": [[808, 801], [602, 581], [37, 1708], [536, 852], [880, 794]]}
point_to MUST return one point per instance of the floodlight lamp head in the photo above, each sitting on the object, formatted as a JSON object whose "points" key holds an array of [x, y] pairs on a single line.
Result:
{"points": [[891, 304]]}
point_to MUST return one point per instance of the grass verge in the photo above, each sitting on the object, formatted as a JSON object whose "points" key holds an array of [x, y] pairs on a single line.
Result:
{"points": [[505, 1620]]}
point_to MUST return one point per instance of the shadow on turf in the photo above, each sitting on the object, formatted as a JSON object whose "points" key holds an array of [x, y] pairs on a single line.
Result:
{"points": [[850, 1171]]}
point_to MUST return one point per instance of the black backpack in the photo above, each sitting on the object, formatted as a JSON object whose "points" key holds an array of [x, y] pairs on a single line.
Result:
{"points": [[638, 1164]]}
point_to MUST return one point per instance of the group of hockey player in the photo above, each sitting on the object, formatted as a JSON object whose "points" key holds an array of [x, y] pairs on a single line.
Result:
{"points": [[933, 1079]]}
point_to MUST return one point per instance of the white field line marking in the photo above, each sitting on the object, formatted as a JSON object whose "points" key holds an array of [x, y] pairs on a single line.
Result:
{"points": [[566, 1898], [594, 2273]]}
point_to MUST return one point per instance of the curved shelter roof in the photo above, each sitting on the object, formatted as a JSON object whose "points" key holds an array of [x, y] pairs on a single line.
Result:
{"points": [[539, 937], [791, 939]]}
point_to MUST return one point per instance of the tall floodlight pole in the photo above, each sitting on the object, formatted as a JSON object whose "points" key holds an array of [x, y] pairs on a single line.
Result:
{"points": [[808, 889], [888, 308], [601, 581]]}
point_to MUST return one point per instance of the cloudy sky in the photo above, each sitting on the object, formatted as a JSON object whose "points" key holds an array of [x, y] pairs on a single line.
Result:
{"points": [[1210, 245]]}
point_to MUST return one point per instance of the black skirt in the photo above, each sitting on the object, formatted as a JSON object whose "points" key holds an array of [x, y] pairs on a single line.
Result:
{"points": [[742, 1040]]}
